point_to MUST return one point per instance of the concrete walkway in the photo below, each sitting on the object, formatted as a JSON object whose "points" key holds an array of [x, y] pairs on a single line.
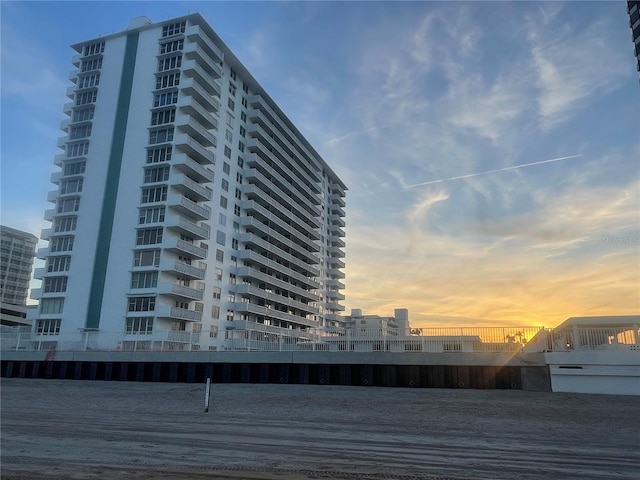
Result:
{"points": [[59, 429]]}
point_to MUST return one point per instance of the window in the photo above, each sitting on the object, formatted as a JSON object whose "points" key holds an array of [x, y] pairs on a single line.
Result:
{"points": [[225, 184], [64, 224], [163, 116], [230, 119], [236, 210], [94, 48], [161, 135], [213, 332], [245, 88], [226, 168], [241, 146], [83, 114], [169, 47], [142, 304], [168, 98], [231, 104], [77, 149], [66, 205], [83, 131], [223, 202], [72, 185], [229, 315], [228, 136], [173, 29], [222, 219], [146, 258], [92, 64], [55, 284], [149, 236], [154, 194], [243, 117], [219, 256], [236, 227], [244, 102], [89, 81], [234, 243], [218, 273], [156, 174], [157, 155], [238, 194], [238, 177], [240, 162], [215, 311], [58, 264], [151, 215], [61, 244], [144, 280], [169, 63], [232, 89], [221, 237], [142, 325], [227, 151], [243, 131], [85, 98], [50, 326], [232, 279], [232, 74], [169, 80], [51, 305], [217, 291]]}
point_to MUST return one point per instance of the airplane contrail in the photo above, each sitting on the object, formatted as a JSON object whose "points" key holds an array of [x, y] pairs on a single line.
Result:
{"points": [[514, 167]]}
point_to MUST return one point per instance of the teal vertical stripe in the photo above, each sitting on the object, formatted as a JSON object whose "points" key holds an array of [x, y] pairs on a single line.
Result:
{"points": [[107, 215]]}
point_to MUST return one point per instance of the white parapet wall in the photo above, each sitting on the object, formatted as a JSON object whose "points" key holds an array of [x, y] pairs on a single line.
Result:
{"points": [[612, 372]]}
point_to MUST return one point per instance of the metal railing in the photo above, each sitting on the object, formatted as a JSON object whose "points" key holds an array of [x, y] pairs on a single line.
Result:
{"points": [[248, 336]]}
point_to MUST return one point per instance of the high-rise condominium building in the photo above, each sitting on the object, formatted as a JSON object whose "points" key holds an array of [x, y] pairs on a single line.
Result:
{"points": [[17, 250], [188, 206], [633, 9]]}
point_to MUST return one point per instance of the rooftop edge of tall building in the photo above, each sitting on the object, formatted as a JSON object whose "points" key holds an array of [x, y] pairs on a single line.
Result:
{"points": [[138, 24]]}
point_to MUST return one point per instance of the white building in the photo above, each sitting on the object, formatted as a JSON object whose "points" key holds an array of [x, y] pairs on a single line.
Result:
{"points": [[186, 201], [376, 325], [17, 251]]}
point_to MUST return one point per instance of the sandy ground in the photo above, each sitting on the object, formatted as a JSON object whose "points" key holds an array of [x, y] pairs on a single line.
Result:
{"points": [[63, 429]]}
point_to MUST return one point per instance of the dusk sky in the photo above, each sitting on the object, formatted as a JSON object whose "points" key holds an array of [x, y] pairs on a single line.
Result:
{"points": [[407, 102]]}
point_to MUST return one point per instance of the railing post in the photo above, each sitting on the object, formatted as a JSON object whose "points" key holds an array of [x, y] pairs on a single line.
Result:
{"points": [[18, 342]]}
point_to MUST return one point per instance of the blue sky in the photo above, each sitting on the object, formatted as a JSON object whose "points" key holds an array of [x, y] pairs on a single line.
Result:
{"points": [[397, 94]]}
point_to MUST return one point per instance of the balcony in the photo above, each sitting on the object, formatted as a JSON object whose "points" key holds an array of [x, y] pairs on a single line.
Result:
{"points": [[71, 91], [337, 199], [192, 168], [310, 268], [182, 225], [73, 76], [253, 274], [255, 257], [52, 196], [180, 291], [334, 283], [46, 233], [193, 69], [184, 269], [303, 229], [263, 191], [253, 224], [62, 141], [191, 87], [337, 231], [36, 293], [335, 273], [184, 248], [336, 220], [191, 127], [48, 214], [186, 185], [175, 313], [194, 149], [38, 273], [190, 106], [55, 177], [336, 252], [334, 295], [195, 33], [188, 207], [272, 313], [42, 253], [247, 290], [335, 307], [335, 263]]}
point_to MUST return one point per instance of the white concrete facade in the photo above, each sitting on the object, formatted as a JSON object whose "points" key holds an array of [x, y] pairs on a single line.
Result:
{"points": [[186, 201]]}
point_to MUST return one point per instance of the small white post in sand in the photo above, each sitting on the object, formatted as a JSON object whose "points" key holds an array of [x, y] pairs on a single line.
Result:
{"points": [[207, 391]]}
